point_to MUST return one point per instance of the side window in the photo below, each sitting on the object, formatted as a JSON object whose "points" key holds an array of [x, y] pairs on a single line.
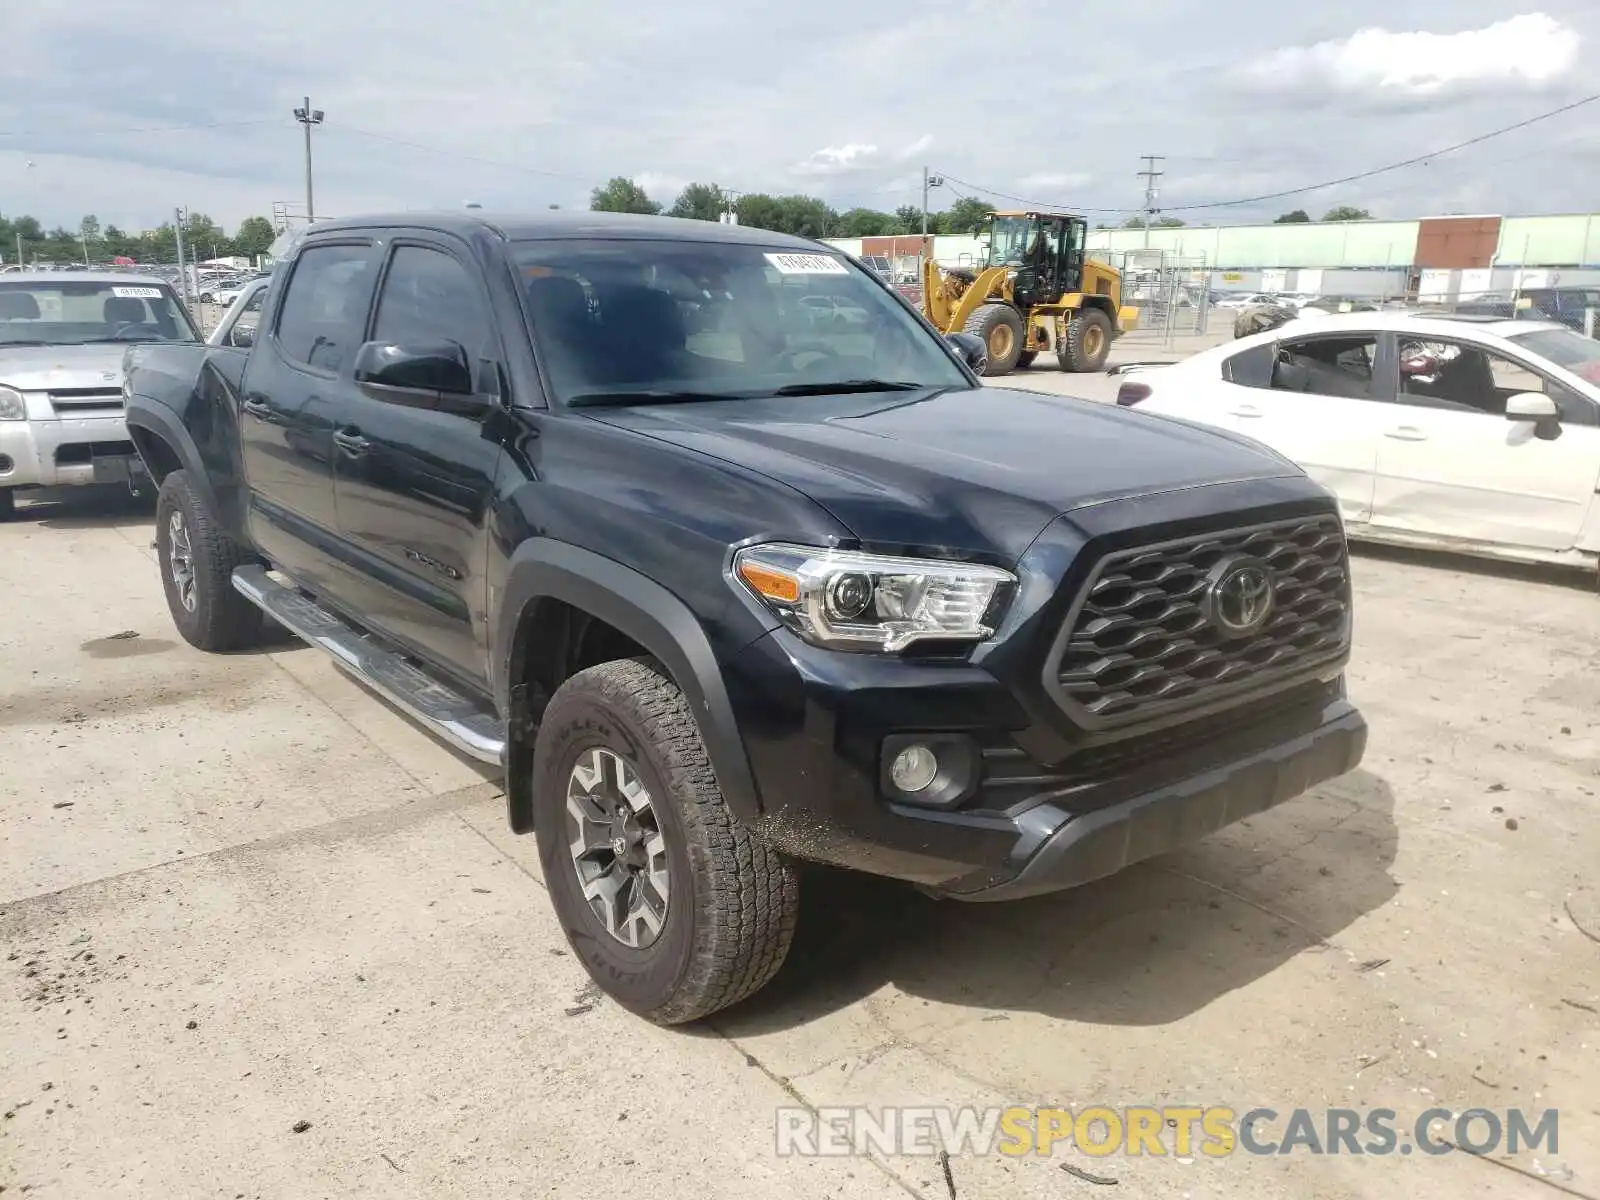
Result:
{"points": [[428, 297], [1252, 367], [325, 307], [1328, 366]]}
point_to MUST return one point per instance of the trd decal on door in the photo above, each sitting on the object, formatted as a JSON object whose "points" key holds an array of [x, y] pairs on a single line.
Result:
{"points": [[433, 564]]}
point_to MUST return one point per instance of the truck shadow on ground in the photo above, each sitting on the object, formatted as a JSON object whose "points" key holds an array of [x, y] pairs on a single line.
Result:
{"points": [[1146, 947]]}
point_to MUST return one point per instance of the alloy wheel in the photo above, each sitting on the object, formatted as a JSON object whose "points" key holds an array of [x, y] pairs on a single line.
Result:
{"points": [[180, 561], [617, 847]]}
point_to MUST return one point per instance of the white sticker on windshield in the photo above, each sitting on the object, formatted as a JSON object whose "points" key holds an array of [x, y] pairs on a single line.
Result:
{"points": [[807, 264], [137, 293]]}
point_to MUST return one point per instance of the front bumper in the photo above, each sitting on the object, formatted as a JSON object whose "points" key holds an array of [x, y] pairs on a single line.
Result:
{"points": [[67, 451], [813, 725]]}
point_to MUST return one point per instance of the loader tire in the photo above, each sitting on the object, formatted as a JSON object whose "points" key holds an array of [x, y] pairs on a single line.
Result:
{"points": [[1088, 341], [1000, 327]]}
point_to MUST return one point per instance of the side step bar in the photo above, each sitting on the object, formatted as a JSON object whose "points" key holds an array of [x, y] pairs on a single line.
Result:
{"points": [[463, 723]]}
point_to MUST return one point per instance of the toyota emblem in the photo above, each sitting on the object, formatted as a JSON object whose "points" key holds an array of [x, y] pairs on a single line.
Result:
{"points": [[1239, 596]]}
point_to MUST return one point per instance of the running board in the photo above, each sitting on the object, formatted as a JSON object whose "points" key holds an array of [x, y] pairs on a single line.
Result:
{"points": [[463, 723]]}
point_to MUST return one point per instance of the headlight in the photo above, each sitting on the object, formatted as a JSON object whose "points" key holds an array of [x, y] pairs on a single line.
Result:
{"points": [[852, 601], [12, 407]]}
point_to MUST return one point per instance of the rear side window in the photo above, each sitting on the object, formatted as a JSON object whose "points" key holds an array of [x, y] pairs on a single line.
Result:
{"points": [[1252, 367], [325, 307]]}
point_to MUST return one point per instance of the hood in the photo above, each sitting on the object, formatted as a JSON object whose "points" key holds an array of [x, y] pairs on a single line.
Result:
{"points": [[981, 470], [50, 368]]}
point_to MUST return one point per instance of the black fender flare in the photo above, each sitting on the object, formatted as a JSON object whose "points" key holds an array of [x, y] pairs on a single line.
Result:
{"points": [[154, 420], [634, 604]]}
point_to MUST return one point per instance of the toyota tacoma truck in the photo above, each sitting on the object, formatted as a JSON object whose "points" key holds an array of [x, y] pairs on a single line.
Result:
{"points": [[725, 581]]}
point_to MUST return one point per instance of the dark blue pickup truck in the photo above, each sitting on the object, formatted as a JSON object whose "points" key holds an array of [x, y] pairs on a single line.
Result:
{"points": [[708, 539]]}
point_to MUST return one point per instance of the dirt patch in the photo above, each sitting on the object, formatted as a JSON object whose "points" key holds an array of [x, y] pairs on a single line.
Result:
{"points": [[72, 704]]}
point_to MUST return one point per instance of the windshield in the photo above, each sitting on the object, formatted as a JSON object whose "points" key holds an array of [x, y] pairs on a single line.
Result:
{"points": [[71, 312], [643, 321], [1008, 241], [1576, 353]]}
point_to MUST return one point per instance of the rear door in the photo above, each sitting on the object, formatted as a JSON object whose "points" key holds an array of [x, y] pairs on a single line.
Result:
{"points": [[1314, 399], [294, 384], [414, 471], [1451, 465]]}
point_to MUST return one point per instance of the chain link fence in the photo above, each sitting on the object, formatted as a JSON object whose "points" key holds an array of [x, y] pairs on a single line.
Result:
{"points": [[1171, 291]]}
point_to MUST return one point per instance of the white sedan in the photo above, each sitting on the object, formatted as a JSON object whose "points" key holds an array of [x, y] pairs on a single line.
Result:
{"points": [[1476, 435]]}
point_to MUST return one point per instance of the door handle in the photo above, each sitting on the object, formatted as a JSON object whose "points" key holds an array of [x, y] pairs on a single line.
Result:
{"points": [[257, 408], [351, 441], [1245, 410], [1406, 433]]}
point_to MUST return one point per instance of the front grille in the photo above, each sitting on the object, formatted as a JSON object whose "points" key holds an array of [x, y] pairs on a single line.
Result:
{"points": [[1141, 642], [74, 400]]}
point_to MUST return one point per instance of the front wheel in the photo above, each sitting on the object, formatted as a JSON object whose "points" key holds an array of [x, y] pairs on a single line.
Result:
{"points": [[1088, 341], [1000, 327], [197, 560], [673, 907]]}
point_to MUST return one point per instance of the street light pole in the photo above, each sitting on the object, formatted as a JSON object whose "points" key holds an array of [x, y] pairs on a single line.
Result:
{"points": [[308, 117]]}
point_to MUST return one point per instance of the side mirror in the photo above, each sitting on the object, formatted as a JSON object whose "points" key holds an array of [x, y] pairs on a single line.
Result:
{"points": [[972, 350], [439, 367], [1531, 406], [242, 336]]}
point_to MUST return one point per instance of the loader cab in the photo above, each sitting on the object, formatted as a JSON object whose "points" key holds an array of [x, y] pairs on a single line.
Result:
{"points": [[1044, 249]]}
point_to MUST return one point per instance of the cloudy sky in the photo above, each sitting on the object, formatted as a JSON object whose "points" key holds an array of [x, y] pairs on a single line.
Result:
{"points": [[125, 108]]}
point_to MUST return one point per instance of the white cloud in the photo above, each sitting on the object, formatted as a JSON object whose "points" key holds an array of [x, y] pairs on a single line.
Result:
{"points": [[923, 143], [831, 160], [1044, 181], [1533, 48], [662, 188]]}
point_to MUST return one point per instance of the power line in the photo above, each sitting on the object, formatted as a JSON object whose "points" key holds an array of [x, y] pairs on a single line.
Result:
{"points": [[1408, 162], [1298, 191], [492, 162]]}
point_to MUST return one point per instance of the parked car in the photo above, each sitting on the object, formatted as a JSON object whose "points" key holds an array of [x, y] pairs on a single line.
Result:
{"points": [[62, 338], [716, 606], [1476, 435]]}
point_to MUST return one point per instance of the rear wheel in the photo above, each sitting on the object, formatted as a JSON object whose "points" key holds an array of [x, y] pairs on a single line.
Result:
{"points": [[1088, 341], [8, 504], [197, 560], [1000, 327], [673, 906]]}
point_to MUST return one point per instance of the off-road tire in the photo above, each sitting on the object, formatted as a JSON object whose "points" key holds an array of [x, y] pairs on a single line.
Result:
{"points": [[1088, 341], [984, 322], [8, 504], [1025, 359], [732, 902], [221, 619]]}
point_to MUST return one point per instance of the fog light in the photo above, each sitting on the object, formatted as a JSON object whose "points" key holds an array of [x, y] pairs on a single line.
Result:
{"points": [[914, 768]]}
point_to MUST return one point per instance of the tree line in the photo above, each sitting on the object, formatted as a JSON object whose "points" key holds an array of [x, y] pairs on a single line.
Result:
{"points": [[807, 216], [203, 238]]}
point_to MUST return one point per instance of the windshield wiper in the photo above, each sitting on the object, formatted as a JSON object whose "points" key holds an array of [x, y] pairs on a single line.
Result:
{"points": [[663, 396], [141, 337], [840, 387]]}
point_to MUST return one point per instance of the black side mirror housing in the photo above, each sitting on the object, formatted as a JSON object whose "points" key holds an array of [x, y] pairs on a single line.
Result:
{"points": [[972, 350], [242, 336], [436, 367]]}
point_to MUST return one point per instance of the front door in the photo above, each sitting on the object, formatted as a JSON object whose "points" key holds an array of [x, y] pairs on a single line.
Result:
{"points": [[1451, 465], [294, 384], [414, 471]]}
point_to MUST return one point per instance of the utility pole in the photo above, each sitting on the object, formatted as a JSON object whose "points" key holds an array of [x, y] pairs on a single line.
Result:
{"points": [[308, 117], [1151, 191], [928, 181], [183, 274], [730, 206], [20, 261]]}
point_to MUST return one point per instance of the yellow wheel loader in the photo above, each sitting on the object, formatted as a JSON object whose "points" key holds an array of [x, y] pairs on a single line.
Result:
{"points": [[1036, 293]]}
